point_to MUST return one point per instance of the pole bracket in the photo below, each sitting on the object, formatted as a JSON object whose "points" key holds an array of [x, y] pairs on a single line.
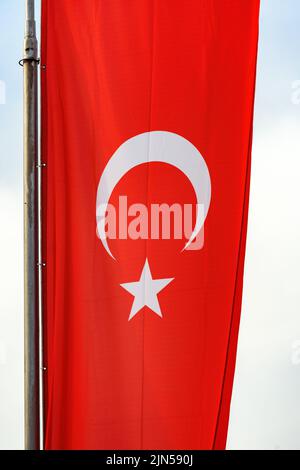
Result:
{"points": [[28, 59]]}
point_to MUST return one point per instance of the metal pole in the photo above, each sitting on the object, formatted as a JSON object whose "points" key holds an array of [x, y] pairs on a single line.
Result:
{"points": [[31, 312]]}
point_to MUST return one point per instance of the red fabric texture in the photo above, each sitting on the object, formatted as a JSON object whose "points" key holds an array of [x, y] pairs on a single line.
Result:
{"points": [[113, 70]]}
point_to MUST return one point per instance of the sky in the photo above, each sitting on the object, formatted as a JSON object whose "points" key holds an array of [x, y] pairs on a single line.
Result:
{"points": [[265, 409]]}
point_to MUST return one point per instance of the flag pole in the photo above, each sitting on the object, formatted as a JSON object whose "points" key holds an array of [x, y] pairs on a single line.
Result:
{"points": [[31, 300]]}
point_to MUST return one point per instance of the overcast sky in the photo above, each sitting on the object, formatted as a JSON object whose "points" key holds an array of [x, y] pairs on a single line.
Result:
{"points": [[265, 412]]}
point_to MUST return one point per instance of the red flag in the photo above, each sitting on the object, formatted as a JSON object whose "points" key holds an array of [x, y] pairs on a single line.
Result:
{"points": [[147, 111]]}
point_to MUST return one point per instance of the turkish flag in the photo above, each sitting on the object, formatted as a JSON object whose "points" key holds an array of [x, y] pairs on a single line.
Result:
{"points": [[147, 111]]}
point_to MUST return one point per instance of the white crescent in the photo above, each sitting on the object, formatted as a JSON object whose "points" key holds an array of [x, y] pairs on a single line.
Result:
{"points": [[154, 146]]}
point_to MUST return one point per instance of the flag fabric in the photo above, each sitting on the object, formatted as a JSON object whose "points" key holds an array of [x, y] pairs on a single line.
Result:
{"points": [[147, 110]]}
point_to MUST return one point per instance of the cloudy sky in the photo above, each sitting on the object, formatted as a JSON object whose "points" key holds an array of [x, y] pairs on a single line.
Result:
{"points": [[265, 411]]}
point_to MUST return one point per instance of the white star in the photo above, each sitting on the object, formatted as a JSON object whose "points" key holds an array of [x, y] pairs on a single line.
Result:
{"points": [[145, 291]]}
